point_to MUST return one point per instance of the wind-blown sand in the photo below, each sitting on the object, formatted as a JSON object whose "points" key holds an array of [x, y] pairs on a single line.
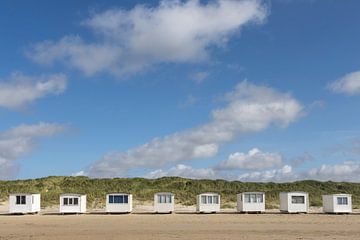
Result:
{"points": [[181, 226]]}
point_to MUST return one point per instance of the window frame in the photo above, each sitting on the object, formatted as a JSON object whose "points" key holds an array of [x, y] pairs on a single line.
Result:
{"points": [[20, 200], [209, 199], [164, 198], [343, 201], [298, 197], [118, 199], [70, 201]]}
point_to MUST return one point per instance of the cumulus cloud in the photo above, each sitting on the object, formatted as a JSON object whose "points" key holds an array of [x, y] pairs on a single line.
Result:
{"points": [[185, 171], [20, 141], [131, 40], [19, 90], [254, 159], [250, 108], [282, 174], [347, 171], [349, 84]]}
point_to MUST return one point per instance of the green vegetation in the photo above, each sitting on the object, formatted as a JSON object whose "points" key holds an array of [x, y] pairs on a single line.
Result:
{"points": [[185, 189]]}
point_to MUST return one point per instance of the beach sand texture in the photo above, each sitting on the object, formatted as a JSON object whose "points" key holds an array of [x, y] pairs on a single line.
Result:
{"points": [[181, 226]]}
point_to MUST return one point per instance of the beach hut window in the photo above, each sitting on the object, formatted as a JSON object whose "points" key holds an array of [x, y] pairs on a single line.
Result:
{"points": [[253, 198], [119, 199], [20, 200], [298, 199], [342, 201], [210, 199], [70, 201], [259, 198], [247, 198], [164, 198]]}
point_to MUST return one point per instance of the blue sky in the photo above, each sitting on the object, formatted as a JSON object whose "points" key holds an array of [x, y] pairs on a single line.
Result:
{"points": [[240, 90]]}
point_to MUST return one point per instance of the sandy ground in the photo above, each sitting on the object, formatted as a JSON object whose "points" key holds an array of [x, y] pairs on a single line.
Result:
{"points": [[183, 225]]}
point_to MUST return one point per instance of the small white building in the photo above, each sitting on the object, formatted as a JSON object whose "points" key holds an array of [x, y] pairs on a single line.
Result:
{"points": [[251, 202], [164, 202], [24, 203], [72, 203], [118, 203], [337, 203], [208, 203], [294, 202]]}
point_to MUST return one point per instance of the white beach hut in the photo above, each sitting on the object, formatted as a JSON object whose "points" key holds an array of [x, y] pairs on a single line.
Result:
{"points": [[208, 203], [251, 202], [72, 203], [294, 202], [337, 203], [164, 202], [118, 203], [24, 203]]}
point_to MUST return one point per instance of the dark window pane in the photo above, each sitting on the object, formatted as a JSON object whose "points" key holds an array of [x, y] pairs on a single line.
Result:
{"points": [[76, 201], [121, 199], [126, 199], [17, 200], [342, 201], [117, 199], [23, 199], [111, 199], [66, 202]]}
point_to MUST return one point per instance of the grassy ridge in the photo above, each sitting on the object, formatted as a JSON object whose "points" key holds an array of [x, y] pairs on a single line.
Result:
{"points": [[185, 189]]}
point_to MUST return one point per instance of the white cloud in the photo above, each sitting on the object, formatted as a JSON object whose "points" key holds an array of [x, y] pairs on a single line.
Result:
{"points": [[282, 174], [79, 173], [185, 171], [250, 109], [19, 90], [20, 141], [347, 171], [131, 40], [349, 84], [254, 159]]}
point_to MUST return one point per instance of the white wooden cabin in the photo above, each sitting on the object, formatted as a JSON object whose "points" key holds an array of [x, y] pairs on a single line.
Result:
{"points": [[164, 202], [118, 203], [208, 203], [24, 203], [251, 202], [72, 203], [294, 202], [337, 203]]}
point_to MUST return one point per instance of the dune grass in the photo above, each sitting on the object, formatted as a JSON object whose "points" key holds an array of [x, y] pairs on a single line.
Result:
{"points": [[185, 190]]}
